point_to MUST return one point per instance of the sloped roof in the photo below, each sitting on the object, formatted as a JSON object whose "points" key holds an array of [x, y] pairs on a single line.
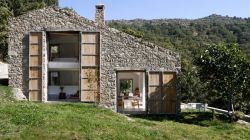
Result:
{"points": [[88, 22]]}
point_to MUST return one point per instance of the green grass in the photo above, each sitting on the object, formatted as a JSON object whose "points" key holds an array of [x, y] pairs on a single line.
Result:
{"points": [[27, 120], [6, 94]]}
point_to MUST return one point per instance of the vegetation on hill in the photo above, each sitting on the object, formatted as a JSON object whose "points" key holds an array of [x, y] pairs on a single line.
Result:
{"points": [[190, 38], [9, 8], [27, 120], [187, 35], [226, 72]]}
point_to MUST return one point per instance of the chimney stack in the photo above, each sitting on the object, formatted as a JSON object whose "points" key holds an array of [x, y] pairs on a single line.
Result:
{"points": [[99, 15]]}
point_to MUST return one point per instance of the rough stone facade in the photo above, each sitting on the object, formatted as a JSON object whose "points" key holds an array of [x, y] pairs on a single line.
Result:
{"points": [[118, 50], [99, 14]]}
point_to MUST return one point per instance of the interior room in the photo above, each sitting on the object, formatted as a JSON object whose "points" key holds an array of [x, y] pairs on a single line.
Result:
{"points": [[63, 50], [63, 85], [63, 66], [130, 91]]}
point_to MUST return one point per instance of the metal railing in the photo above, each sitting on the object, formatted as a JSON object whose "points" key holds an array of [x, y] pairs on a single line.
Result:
{"points": [[246, 117]]}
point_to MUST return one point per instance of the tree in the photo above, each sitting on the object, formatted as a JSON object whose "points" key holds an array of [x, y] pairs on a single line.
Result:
{"points": [[225, 69], [4, 15], [15, 8], [191, 86]]}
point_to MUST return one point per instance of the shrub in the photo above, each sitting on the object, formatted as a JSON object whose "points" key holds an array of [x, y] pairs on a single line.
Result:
{"points": [[239, 115]]}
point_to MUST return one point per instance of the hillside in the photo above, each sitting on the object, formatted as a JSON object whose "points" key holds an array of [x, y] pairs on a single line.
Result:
{"points": [[186, 36], [27, 120], [189, 38]]}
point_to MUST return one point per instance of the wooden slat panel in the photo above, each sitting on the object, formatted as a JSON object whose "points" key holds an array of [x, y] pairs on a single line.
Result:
{"points": [[154, 106], [169, 106], [170, 92], [35, 60], [87, 84], [89, 71], [89, 38], [169, 99], [154, 79], [154, 93], [89, 76], [88, 96], [89, 61], [35, 96], [35, 84], [35, 50], [89, 49], [164, 102], [35, 38], [35, 73], [169, 78]]}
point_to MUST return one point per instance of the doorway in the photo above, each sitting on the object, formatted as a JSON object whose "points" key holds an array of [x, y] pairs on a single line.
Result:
{"points": [[131, 91], [63, 66]]}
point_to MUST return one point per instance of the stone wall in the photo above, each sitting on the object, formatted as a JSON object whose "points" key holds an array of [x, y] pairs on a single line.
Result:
{"points": [[118, 50], [99, 14]]}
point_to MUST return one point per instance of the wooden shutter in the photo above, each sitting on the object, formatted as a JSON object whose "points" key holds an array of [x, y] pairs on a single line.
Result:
{"points": [[154, 92], [161, 92], [169, 92], [90, 56], [35, 66]]}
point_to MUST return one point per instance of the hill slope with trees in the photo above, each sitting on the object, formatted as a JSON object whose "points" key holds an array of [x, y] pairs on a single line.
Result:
{"points": [[191, 38], [186, 35]]}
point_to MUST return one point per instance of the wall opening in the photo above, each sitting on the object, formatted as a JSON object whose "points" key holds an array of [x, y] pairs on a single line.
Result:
{"points": [[131, 95], [63, 66]]}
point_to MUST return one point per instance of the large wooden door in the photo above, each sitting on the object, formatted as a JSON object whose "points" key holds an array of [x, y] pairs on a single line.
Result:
{"points": [[90, 62], [35, 66], [161, 92]]}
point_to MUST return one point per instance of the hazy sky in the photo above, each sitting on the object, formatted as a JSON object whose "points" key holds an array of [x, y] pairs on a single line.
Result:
{"points": [[154, 9]]}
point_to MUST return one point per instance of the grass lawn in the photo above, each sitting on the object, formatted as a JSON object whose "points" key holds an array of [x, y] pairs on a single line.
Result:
{"points": [[27, 120]]}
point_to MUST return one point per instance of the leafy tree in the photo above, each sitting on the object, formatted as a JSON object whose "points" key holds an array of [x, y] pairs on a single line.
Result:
{"points": [[191, 87], [10, 8], [133, 32], [4, 15], [225, 70]]}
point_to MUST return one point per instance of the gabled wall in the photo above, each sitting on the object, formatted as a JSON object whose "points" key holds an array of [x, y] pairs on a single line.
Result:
{"points": [[118, 50]]}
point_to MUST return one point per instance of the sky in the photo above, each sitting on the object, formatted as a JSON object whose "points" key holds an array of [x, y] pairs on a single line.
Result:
{"points": [[157, 9]]}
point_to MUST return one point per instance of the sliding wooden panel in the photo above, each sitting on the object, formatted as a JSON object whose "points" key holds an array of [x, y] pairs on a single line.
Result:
{"points": [[90, 56], [35, 66], [169, 92], [154, 92], [162, 92]]}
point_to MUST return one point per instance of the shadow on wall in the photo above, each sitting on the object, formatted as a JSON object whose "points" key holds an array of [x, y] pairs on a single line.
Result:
{"points": [[25, 66], [162, 98], [4, 82]]}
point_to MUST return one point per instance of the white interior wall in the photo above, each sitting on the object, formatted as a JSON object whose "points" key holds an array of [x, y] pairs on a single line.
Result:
{"points": [[138, 81], [3, 70]]}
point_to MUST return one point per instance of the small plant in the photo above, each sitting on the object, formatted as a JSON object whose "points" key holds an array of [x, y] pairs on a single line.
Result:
{"points": [[239, 115]]}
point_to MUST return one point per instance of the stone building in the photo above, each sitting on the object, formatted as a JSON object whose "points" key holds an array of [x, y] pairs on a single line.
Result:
{"points": [[57, 55]]}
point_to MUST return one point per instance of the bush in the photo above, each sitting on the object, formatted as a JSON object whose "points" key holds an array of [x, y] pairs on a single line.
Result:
{"points": [[239, 115]]}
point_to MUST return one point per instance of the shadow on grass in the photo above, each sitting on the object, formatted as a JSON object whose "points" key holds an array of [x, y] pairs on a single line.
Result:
{"points": [[204, 119]]}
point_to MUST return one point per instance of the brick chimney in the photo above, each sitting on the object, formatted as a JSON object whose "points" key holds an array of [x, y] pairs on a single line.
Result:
{"points": [[99, 14]]}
